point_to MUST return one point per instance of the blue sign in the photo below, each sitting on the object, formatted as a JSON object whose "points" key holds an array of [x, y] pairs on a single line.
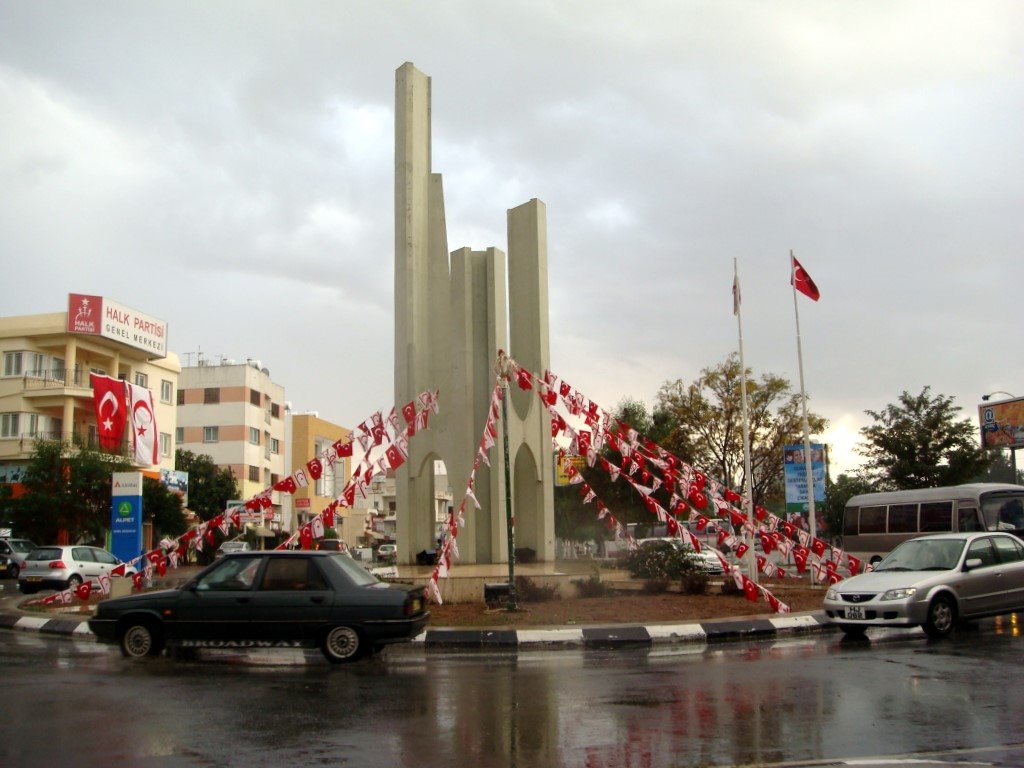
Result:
{"points": [[795, 464], [126, 515]]}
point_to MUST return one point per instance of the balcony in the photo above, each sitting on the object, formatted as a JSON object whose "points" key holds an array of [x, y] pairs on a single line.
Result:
{"points": [[27, 441], [59, 382]]}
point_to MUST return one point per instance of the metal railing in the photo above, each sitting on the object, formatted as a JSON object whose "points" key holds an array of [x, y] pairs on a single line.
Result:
{"points": [[55, 379], [77, 440]]}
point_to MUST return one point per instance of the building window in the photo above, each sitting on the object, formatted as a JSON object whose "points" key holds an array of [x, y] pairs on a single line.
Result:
{"points": [[211, 395], [181, 397], [9, 424], [254, 436], [12, 363], [166, 391], [254, 474], [165, 444], [266, 476], [179, 434], [254, 397], [211, 434], [141, 380], [275, 410], [275, 445]]}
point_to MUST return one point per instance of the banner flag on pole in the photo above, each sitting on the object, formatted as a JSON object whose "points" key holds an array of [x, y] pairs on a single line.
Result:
{"points": [[802, 281]]}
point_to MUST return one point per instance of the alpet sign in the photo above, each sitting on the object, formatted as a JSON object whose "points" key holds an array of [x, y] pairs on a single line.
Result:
{"points": [[99, 316]]}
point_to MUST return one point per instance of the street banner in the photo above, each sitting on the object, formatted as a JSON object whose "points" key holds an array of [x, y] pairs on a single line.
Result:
{"points": [[796, 476]]}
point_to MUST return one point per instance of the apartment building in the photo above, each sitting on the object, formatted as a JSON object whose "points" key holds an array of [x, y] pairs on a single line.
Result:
{"points": [[45, 391], [309, 437], [235, 414]]}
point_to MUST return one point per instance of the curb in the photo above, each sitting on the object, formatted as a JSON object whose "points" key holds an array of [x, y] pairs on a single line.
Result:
{"points": [[604, 637]]}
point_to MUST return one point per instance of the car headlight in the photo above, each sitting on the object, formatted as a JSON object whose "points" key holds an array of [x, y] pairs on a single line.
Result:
{"points": [[898, 594], [832, 595]]}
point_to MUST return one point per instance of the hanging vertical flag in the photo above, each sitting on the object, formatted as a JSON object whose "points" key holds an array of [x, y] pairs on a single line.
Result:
{"points": [[802, 281], [736, 293], [143, 426], [111, 411]]}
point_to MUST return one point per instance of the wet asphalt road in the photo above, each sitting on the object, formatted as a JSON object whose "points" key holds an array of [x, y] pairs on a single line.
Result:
{"points": [[79, 703]]}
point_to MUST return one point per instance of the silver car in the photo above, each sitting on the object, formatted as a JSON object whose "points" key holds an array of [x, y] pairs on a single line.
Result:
{"points": [[12, 554], [933, 582], [707, 561], [64, 567]]}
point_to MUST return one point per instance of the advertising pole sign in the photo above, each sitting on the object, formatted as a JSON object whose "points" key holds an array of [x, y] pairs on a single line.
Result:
{"points": [[1002, 424], [126, 515], [796, 476]]}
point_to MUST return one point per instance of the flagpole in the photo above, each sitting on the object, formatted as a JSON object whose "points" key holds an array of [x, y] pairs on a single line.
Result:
{"points": [[803, 406], [747, 485]]}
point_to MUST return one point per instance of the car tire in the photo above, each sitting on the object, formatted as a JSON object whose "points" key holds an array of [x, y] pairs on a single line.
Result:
{"points": [[342, 644], [13, 571], [74, 582], [941, 617], [140, 640], [26, 589], [853, 630]]}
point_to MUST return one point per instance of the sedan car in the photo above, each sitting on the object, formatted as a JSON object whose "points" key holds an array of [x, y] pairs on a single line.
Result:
{"points": [[933, 582], [12, 554], [65, 567], [708, 562], [269, 599]]}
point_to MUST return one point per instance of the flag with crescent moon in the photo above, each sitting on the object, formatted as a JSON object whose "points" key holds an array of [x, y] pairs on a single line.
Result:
{"points": [[143, 426], [111, 409]]}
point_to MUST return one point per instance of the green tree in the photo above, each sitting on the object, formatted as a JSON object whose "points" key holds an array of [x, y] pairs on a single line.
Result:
{"points": [[163, 508], [67, 489], [209, 487], [1000, 470], [836, 495], [920, 442], [703, 424]]}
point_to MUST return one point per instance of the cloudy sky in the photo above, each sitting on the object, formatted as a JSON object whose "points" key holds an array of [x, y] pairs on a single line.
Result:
{"points": [[228, 167]]}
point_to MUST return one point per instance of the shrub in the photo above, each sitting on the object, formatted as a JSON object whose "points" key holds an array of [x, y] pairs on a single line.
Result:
{"points": [[654, 586], [694, 583], [530, 591], [661, 560], [592, 587]]}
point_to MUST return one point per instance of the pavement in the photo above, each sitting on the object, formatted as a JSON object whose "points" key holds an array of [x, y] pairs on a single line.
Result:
{"points": [[604, 636]]}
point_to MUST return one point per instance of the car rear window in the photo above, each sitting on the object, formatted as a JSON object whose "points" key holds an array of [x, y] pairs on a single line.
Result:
{"points": [[46, 553], [359, 575]]}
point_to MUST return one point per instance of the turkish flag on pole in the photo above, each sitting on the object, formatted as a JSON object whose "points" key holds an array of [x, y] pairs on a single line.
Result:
{"points": [[144, 426], [111, 410], [802, 281]]}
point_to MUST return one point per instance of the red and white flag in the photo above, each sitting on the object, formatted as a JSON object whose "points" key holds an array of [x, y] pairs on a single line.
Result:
{"points": [[802, 281], [143, 426], [111, 409]]}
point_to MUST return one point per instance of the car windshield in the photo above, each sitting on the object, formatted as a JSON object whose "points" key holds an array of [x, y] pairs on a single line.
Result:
{"points": [[923, 555], [359, 575]]}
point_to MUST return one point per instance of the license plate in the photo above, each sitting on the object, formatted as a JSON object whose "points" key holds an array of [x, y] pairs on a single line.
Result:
{"points": [[33, 578], [855, 612]]}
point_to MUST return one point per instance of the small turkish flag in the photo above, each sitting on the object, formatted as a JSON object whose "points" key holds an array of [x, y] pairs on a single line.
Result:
{"points": [[84, 590], [760, 512], [750, 590], [394, 456], [305, 537], [672, 527], [564, 389], [854, 563], [349, 495], [584, 440], [741, 550], [287, 485], [800, 558], [802, 281], [343, 448], [731, 496], [118, 570], [137, 580], [702, 522], [766, 543], [328, 517], [698, 499], [161, 567], [315, 468], [818, 547], [409, 412], [523, 379]]}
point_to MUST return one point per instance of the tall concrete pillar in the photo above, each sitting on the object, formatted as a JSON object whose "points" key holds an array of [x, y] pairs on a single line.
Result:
{"points": [[451, 318]]}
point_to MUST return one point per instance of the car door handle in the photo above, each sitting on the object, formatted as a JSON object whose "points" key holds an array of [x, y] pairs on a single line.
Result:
{"points": [[317, 599]]}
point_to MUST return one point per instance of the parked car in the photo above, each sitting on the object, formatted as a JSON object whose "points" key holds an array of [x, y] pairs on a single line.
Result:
{"points": [[12, 555], [268, 599], [231, 546], [708, 561], [64, 567], [332, 545], [387, 552], [933, 582]]}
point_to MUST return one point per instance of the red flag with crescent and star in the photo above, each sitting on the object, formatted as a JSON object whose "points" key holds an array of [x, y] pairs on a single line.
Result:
{"points": [[111, 409], [802, 281]]}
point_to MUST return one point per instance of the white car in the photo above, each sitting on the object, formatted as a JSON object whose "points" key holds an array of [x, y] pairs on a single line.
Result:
{"points": [[708, 561], [933, 582], [66, 567]]}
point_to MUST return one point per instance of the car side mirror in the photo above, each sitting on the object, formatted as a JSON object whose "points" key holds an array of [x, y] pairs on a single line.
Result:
{"points": [[972, 563]]}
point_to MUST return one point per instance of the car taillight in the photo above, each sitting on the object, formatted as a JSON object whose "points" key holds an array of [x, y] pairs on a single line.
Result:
{"points": [[413, 606], [57, 564]]}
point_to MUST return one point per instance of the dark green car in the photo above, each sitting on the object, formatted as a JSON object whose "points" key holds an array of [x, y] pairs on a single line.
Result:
{"points": [[268, 600]]}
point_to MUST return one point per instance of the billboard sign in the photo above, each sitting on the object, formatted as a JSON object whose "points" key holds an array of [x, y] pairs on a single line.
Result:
{"points": [[562, 468], [126, 515], [795, 466], [176, 482], [100, 316], [1002, 423]]}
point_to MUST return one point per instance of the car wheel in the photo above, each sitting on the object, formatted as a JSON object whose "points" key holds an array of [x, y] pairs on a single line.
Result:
{"points": [[13, 571], [342, 644], [941, 617], [853, 630], [26, 589], [74, 582], [141, 639]]}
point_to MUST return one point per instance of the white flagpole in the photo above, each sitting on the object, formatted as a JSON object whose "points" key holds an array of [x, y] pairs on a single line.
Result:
{"points": [[747, 485], [803, 406]]}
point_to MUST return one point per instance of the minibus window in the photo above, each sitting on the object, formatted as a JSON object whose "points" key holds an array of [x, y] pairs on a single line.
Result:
{"points": [[902, 518], [936, 516]]}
